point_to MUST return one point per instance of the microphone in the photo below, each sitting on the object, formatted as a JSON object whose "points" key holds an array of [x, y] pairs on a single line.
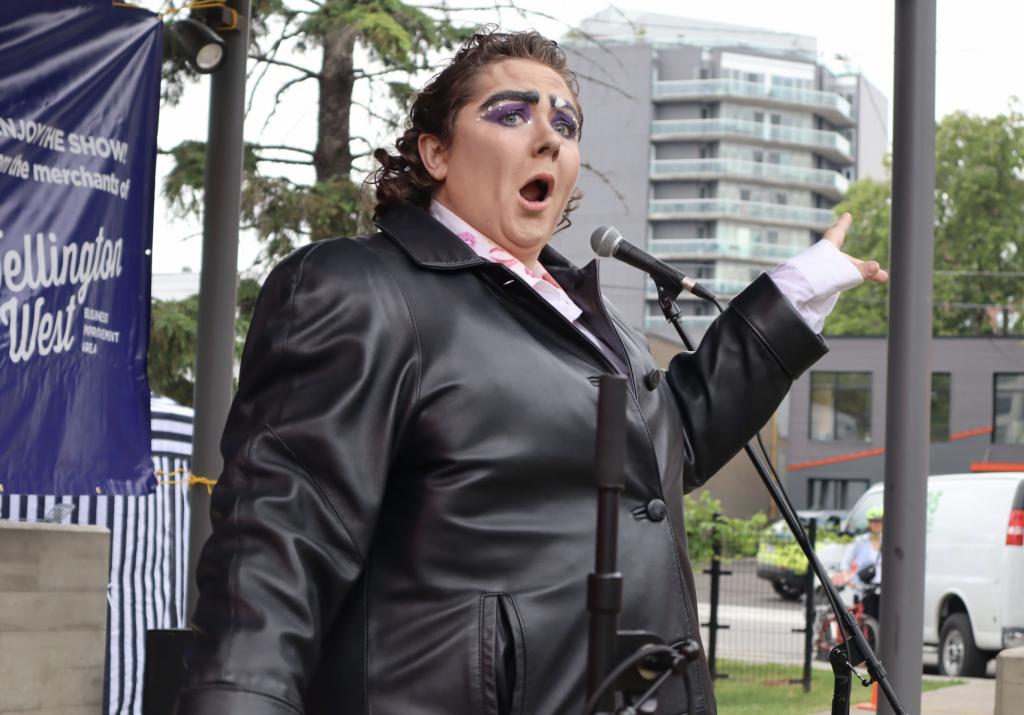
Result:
{"points": [[608, 242]]}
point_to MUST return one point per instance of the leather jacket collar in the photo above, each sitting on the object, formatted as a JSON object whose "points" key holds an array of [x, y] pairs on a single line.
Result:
{"points": [[431, 245]]}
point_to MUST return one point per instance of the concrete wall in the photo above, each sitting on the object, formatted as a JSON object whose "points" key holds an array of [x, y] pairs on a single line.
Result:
{"points": [[872, 131], [615, 93], [1009, 681], [53, 618]]}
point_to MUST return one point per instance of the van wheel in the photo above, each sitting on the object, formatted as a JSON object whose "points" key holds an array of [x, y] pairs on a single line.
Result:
{"points": [[957, 653]]}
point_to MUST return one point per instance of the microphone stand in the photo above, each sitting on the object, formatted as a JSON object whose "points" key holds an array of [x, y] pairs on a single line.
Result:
{"points": [[635, 663], [604, 586], [842, 659]]}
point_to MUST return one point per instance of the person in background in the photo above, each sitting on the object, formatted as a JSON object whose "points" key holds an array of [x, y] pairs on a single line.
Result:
{"points": [[862, 564]]}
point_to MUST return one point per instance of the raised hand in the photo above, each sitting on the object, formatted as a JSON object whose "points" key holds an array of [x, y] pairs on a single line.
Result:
{"points": [[837, 235]]}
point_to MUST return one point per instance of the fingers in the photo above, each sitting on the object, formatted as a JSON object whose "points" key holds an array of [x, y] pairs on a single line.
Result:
{"points": [[837, 234], [869, 270]]}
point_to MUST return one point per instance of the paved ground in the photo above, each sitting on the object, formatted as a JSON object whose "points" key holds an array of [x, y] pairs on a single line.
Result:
{"points": [[975, 697]]}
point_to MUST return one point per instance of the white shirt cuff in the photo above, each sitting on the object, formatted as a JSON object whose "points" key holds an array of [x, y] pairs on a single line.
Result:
{"points": [[813, 279]]}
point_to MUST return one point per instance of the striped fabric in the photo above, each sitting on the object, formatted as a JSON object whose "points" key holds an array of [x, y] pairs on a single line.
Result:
{"points": [[148, 554]]}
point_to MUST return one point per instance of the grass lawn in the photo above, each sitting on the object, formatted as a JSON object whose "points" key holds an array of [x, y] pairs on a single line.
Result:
{"points": [[743, 697]]}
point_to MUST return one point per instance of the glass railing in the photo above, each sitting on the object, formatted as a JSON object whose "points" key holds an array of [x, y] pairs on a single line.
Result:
{"points": [[718, 286], [725, 126], [700, 322], [757, 169], [746, 209], [740, 88], [714, 247]]}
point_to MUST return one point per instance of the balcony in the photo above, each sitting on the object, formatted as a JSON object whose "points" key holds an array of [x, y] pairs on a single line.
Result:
{"points": [[692, 322], [829, 105], [711, 248], [832, 145], [828, 183], [752, 211]]}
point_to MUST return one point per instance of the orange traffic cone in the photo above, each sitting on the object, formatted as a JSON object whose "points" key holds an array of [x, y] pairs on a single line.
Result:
{"points": [[873, 705]]}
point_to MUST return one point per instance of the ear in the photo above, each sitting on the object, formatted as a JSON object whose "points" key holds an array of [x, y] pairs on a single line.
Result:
{"points": [[434, 156]]}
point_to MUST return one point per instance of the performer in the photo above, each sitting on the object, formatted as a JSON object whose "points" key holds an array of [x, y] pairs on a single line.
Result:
{"points": [[405, 522]]}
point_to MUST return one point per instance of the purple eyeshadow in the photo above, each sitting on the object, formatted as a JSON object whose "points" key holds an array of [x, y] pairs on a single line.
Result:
{"points": [[568, 120], [498, 112]]}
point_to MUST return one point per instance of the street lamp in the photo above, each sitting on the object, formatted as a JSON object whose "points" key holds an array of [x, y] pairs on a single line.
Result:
{"points": [[201, 46]]}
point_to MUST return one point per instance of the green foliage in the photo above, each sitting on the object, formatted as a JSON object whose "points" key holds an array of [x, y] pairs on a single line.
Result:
{"points": [[865, 311], [979, 219], [172, 348], [283, 213], [979, 208], [738, 537], [761, 690], [780, 548], [396, 34], [172, 340]]}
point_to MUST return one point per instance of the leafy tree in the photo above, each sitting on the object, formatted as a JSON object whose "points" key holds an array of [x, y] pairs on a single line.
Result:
{"points": [[397, 37], [172, 340], [705, 525], [979, 219], [979, 209], [865, 311]]}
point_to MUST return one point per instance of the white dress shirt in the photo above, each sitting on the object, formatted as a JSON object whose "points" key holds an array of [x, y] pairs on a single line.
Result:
{"points": [[813, 279]]}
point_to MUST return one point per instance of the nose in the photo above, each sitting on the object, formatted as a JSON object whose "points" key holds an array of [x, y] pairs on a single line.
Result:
{"points": [[547, 141]]}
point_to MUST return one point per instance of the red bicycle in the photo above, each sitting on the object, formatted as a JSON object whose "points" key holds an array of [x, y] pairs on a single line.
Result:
{"points": [[829, 634]]}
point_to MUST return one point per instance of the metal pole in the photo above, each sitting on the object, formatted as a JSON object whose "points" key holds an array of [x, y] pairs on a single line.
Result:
{"points": [[908, 400], [215, 341], [812, 535]]}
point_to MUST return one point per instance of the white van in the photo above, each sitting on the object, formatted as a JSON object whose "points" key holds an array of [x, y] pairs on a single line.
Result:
{"points": [[974, 565]]}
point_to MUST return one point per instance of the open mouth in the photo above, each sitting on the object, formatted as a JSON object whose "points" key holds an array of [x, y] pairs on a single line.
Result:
{"points": [[536, 190]]}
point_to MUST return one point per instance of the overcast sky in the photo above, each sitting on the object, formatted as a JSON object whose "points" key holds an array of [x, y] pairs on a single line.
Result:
{"points": [[978, 68]]}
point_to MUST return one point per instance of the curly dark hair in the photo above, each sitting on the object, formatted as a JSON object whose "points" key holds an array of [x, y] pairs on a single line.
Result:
{"points": [[402, 176]]}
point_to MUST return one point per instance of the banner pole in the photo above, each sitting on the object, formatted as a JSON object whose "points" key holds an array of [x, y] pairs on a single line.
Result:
{"points": [[218, 281]]}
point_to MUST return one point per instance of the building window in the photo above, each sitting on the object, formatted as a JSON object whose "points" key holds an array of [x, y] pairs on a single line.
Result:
{"points": [[840, 406], [941, 383], [1008, 402], [837, 493], [744, 194]]}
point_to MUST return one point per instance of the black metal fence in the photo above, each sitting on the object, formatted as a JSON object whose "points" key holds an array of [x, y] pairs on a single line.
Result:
{"points": [[753, 631]]}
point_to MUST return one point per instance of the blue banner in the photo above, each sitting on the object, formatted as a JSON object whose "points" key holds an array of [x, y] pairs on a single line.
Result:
{"points": [[79, 99]]}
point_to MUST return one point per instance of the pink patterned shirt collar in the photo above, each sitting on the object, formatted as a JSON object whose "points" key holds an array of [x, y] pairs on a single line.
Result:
{"points": [[543, 283]]}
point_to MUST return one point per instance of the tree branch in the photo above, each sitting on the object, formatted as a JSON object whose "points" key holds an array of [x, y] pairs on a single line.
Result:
{"points": [[611, 186], [360, 74], [303, 162], [282, 147], [277, 98], [282, 63]]}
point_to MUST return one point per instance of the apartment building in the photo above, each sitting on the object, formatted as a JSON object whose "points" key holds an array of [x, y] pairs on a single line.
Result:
{"points": [[720, 148]]}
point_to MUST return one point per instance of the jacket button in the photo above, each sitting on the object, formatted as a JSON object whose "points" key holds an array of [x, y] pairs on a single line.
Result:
{"points": [[652, 379], [656, 510]]}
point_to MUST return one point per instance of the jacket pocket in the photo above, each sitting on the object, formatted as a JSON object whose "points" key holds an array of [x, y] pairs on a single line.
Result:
{"points": [[502, 659]]}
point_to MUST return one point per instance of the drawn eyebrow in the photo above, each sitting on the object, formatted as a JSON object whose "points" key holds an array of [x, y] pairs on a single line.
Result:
{"points": [[511, 95], [559, 103]]}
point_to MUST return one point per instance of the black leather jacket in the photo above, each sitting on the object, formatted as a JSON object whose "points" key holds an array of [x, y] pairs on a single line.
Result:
{"points": [[406, 518]]}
